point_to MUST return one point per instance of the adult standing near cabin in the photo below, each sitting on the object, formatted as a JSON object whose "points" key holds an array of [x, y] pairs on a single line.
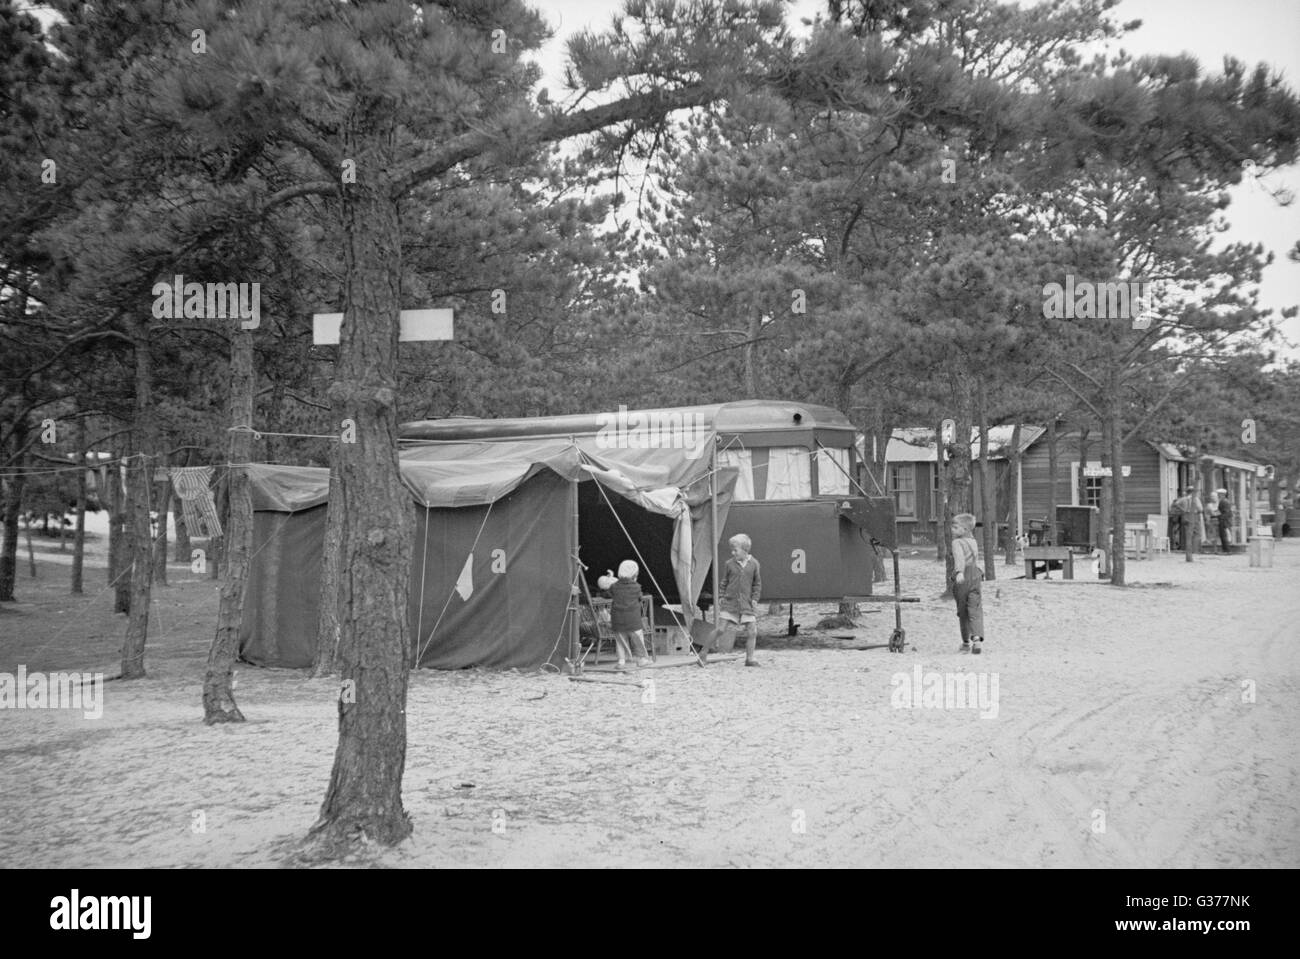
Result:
{"points": [[1175, 530], [1189, 508], [1225, 521]]}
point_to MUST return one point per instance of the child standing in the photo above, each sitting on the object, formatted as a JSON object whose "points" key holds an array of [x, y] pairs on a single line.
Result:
{"points": [[740, 589], [625, 614], [967, 576]]}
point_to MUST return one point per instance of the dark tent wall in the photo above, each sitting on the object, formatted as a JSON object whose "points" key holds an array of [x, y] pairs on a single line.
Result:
{"points": [[282, 599], [517, 579], [514, 620]]}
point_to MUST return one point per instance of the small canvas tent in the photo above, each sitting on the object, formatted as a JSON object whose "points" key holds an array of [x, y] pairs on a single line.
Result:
{"points": [[501, 530]]}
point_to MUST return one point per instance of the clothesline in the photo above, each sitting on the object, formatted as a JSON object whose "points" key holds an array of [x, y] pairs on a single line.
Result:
{"points": [[258, 434]]}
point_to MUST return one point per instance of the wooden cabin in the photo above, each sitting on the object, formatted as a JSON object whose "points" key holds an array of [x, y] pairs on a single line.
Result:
{"points": [[1156, 473]]}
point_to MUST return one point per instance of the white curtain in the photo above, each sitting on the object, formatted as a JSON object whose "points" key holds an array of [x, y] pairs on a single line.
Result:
{"points": [[833, 472], [742, 460], [789, 473]]}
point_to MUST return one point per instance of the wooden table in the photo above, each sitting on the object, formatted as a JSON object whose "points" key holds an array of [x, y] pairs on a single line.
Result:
{"points": [[1041, 554], [1137, 540]]}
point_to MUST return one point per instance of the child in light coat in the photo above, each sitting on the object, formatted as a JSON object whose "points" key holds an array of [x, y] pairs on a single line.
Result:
{"points": [[967, 577], [740, 589]]}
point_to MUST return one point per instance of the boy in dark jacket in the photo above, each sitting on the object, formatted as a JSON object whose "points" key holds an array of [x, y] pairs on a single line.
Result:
{"points": [[625, 614], [740, 590]]}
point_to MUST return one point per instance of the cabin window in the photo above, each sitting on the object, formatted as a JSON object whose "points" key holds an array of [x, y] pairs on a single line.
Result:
{"points": [[743, 460], [1092, 491], [1091, 486], [902, 483], [833, 472], [789, 473]]}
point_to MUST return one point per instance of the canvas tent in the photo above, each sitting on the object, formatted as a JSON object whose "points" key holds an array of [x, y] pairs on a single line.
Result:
{"points": [[500, 529], [796, 495]]}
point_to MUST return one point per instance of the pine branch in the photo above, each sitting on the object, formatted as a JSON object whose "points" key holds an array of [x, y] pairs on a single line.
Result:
{"points": [[651, 105]]}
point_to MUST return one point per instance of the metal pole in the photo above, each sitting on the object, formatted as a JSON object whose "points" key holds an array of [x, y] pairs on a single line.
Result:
{"points": [[713, 522], [575, 646]]}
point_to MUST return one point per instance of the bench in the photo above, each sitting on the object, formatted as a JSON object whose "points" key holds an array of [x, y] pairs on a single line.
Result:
{"points": [[1046, 555]]}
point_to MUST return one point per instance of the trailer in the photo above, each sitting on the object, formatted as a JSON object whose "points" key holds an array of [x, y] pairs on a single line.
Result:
{"points": [[795, 493]]}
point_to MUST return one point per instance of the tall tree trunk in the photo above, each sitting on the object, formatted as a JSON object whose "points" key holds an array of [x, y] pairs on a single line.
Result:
{"points": [[119, 536], [749, 352], [875, 470], [365, 789], [987, 508], [12, 507], [1117, 476], [1105, 523], [221, 503], [328, 627], [79, 542], [1275, 503], [31, 553], [942, 540], [163, 492], [875, 446], [958, 468], [1081, 491], [1053, 470], [181, 551], [139, 477], [219, 704], [1013, 496]]}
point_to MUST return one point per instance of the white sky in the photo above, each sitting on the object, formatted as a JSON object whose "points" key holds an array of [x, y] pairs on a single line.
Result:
{"points": [[1250, 30]]}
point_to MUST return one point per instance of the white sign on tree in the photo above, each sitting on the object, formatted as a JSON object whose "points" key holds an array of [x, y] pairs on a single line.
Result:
{"points": [[415, 325]]}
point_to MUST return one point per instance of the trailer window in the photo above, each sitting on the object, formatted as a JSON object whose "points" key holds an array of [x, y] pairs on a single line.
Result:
{"points": [[789, 473], [743, 460], [833, 472]]}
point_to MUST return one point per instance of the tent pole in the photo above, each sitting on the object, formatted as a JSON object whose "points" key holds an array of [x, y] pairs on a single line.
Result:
{"points": [[575, 647], [713, 523]]}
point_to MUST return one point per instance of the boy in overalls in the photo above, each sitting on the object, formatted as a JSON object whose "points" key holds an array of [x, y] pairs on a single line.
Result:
{"points": [[967, 577]]}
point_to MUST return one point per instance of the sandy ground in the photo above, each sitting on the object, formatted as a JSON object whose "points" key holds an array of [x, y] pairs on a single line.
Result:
{"points": [[1149, 727]]}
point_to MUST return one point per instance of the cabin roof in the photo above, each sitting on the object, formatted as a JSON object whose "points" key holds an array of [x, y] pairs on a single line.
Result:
{"points": [[916, 444], [1168, 450], [1236, 464]]}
